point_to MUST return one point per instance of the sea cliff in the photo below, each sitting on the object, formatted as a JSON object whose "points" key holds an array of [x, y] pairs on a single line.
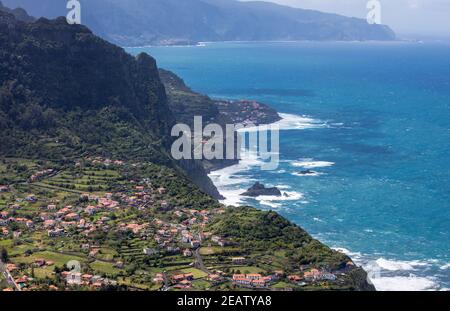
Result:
{"points": [[87, 175]]}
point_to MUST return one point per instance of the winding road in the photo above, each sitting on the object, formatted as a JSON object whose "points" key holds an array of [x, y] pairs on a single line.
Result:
{"points": [[199, 261], [8, 277]]}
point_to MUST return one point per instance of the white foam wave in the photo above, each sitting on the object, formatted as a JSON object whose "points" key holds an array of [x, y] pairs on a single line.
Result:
{"points": [[288, 122], [284, 187], [231, 175], [232, 197], [394, 275], [287, 196], [398, 265], [310, 163], [405, 283], [278, 172], [230, 180], [308, 174], [295, 122], [269, 203], [275, 201], [445, 267]]}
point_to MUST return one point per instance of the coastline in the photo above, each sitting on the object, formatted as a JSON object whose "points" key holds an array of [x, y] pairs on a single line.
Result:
{"points": [[205, 43], [386, 274], [408, 272], [220, 176]]}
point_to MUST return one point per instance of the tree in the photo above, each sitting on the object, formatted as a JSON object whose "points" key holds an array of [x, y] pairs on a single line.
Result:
{"points": [[4, 255]]}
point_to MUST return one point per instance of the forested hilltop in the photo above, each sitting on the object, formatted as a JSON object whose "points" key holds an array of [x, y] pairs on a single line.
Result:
{"points": [[65, 92], [86, 176], [144, 22]]}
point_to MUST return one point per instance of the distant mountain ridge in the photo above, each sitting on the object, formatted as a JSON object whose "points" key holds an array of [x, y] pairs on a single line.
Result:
{"points": [[142, 22], [19, 13]]}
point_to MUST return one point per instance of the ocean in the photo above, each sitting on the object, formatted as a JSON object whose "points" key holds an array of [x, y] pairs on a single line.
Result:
{"points": [[372, 123]]}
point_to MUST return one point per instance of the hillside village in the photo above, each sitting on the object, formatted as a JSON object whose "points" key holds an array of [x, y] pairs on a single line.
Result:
{"points": [[126, 228], [91, 198]]}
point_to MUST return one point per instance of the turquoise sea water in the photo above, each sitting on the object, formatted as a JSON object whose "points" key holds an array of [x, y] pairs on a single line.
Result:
{"points": [[375, 129]]}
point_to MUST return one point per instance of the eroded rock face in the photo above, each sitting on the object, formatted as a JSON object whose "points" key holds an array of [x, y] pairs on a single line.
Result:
{"points": [[68, 67], [259, 189], [186, 103], [46, 69], [56, 78]]}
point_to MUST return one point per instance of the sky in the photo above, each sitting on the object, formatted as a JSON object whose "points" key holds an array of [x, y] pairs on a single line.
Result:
{"points": [[407, 17]]}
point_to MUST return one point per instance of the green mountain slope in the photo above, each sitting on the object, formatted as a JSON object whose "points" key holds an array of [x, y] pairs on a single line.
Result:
{"points": [[85, 175], [65, 92]]}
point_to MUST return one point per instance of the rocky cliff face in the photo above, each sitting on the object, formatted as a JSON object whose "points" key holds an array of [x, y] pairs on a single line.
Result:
{"points": [[259, 190], [60, 83], [67, 67], [65, 94], [360, 280], [186, 103]]}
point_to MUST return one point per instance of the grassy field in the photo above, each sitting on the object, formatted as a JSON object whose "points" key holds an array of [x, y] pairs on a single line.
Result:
{"points": [[200, 285], [6, 243], [248, 269], [281, 285], [198, 274], [14, 250], [42, 273], [217, 250], [3, 283], [129, 282], [205, 251], [104, 268], [86, 180], [107, 254], [5, 197]]}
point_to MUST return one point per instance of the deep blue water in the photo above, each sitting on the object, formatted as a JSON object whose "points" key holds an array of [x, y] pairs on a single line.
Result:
{"points": [[385, 108]]}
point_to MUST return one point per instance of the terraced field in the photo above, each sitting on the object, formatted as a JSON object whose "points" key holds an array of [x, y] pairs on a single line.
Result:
{"points": [[198, 274], [105, 268], [134, 251], [82, 181], [57, 258]]}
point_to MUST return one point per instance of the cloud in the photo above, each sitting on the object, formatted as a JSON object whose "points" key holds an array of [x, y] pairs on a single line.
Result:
{"points": [[414, 5]]}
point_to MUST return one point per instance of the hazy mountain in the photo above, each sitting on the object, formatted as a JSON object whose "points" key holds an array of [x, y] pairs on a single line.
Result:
{"points": [[138, 22], [19, 14]]}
